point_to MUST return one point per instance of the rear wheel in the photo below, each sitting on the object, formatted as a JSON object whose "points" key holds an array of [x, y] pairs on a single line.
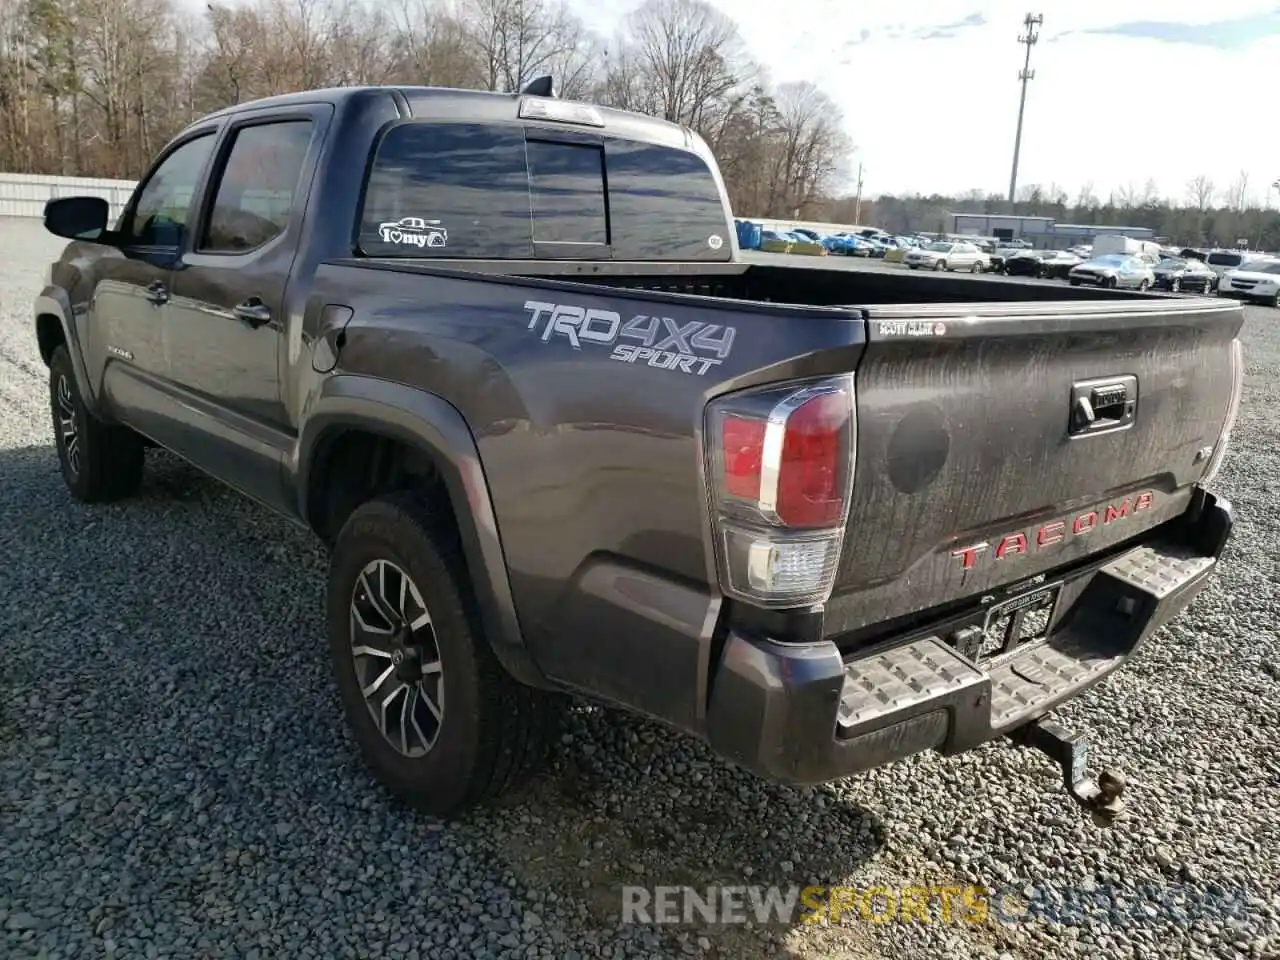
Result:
{"points": [[434, 714], [1175, 285], [100, 462], [977, 267], [1144, 285], [940, 265]]}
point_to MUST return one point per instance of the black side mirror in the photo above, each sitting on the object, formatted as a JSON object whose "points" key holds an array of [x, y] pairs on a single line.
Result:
{"points": [[77, 218]]}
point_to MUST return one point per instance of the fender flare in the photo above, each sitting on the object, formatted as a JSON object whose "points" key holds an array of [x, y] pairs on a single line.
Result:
{"points": [[434, 426], [55, 302]]}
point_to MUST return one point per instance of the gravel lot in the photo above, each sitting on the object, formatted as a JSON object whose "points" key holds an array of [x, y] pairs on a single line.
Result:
{"points": [[175, 780]]}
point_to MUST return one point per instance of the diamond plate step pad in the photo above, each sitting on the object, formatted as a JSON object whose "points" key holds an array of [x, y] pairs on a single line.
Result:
{"points": [[1158, 571], [896, 680], [1041, 673]]}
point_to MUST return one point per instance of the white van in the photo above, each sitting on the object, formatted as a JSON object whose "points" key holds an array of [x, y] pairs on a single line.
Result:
{"points": [[1221, 261], [1108, 243]]}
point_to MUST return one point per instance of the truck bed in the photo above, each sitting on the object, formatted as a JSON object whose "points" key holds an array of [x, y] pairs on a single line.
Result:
{"points": [[806, 282]]}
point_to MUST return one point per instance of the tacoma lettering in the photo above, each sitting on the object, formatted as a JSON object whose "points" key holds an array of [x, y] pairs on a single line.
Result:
{"points": [[1055, 531]]}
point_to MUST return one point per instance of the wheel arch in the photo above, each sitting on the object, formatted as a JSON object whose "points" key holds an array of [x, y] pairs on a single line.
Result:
{"points": [[432, 434], [54, 328]]}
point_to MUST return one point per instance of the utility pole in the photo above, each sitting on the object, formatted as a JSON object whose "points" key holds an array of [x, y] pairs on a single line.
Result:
{"points": [[1028, 39], [857, 201]]}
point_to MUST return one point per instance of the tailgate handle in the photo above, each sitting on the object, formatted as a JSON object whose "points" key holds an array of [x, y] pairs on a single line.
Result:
{"points": [[1102, 405]]}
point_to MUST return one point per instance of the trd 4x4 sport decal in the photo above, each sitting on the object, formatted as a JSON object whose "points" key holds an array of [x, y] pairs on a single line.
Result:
{"points": [[693, 347]]}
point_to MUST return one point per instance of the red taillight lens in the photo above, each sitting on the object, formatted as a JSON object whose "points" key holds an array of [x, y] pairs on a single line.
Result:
{"points": [[811, 472], [742, 440], [780, 465]]}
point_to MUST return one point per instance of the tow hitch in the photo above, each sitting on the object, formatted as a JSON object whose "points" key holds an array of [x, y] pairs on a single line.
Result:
{"points": [[1100, 795]]}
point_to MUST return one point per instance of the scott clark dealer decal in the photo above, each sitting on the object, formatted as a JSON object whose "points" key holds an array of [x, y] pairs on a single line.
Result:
{"points": [[693, 347]]}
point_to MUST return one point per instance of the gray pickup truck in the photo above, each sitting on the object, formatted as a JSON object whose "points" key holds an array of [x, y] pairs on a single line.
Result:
{"points": [[501, 353]]}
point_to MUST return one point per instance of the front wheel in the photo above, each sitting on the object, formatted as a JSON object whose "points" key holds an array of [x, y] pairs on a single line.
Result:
{"points": [[941, 265], [434, 714], [100, 462], [1144, 285], [1175, 285], [977, 267]]}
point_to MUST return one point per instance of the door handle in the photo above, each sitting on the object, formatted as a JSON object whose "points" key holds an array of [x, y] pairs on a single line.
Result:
{"points": [[253, 312], [157, 293]]}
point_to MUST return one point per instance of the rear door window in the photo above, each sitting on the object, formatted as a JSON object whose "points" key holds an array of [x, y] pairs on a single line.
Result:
{"points": [[454, 190]]}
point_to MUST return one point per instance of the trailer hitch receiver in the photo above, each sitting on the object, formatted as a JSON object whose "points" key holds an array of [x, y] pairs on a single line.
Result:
{"points": [[1101, 795]]}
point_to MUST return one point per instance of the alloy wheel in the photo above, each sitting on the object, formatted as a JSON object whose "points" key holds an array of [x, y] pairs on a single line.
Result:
{"points": [[397, 658], [68, 433]]}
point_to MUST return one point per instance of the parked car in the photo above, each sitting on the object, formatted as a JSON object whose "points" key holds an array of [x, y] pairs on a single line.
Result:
{"points": [[1113, 270], [1177, 273], [945, 255], [1058, 264], [1259, 282], [1023, 263], [1222, 261], [541, 466]]}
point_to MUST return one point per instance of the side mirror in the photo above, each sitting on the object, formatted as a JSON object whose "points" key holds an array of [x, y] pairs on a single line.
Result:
{"points": [[77, 218]]}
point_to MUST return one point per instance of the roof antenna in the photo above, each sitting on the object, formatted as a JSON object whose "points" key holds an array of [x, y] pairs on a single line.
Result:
{"points": [[541, 87]]}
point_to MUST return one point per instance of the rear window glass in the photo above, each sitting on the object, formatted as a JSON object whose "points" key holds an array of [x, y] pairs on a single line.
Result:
{"points": [[1225, 259], [664, 204], [494, 191], [566, 189], [448, 190]]}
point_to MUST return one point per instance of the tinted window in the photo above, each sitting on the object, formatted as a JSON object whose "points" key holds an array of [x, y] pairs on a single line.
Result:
{"points": [[160, 216], [255, 194], [664, 205], [1225, 259], [448, 190], [566, 189]]}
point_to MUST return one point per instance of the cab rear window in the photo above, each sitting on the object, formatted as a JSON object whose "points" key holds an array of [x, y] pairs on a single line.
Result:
{"points": [[511, 191]]}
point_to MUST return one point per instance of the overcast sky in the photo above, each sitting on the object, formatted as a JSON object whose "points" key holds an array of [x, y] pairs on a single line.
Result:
{"points": [[1122, 91]]}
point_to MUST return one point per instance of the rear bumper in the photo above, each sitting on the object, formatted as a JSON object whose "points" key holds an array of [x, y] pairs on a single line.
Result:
{"points": [[802, 713]]}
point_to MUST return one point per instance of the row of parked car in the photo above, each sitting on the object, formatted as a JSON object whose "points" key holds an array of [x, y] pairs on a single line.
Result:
{"points": [[1254, 277], [869, 243]]}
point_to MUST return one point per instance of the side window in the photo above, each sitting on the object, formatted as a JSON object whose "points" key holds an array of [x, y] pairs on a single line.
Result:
{"points": [[566, 190], [159, 218], [458, 190], [256, 191], [664, 204]]}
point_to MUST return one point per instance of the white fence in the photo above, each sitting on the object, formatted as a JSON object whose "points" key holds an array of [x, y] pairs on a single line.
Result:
{"points": [[25, 194]]}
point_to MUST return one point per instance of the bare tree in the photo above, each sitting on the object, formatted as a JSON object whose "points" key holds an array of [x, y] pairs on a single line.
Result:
{"points": [[516, 40], [1200, 190], [693, 60], [1238, 191], [1127, 196]]}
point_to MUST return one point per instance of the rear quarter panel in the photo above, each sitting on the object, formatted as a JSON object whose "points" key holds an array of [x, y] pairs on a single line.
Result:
{"points": [[591, 456]]}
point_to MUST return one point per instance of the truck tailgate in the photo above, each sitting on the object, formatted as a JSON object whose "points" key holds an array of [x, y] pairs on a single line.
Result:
{"points": [[977, 463]]}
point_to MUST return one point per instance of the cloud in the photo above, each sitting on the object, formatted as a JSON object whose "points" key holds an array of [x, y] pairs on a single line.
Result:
{"points": [[900, 31], [1235, 34], [948, 31]]}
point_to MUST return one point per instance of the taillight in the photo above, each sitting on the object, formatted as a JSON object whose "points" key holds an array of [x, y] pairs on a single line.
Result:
{"points": [[780, 464], [1233, 410]]}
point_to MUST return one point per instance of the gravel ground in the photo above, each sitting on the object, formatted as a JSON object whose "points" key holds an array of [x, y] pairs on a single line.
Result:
{"points": [[175, 780]]}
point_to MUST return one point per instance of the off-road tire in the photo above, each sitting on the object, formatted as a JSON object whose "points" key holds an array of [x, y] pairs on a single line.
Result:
{"points": [[494, 731], [105, 461]]}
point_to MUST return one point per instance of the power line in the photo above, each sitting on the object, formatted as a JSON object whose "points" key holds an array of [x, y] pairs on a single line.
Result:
{"points": [[1028, 39]]}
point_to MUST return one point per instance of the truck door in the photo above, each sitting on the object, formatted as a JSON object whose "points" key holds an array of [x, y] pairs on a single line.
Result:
{"points": [[228, 314], [126, 345]]}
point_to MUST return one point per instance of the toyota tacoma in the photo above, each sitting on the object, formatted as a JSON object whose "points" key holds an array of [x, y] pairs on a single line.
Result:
{"points": [[502, 355]]}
